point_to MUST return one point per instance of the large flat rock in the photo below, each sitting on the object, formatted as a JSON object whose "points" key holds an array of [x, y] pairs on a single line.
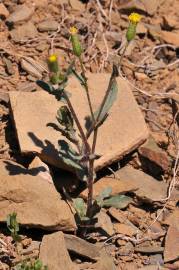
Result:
{"points": [[36, 202], [128, 179], [122, 132]]}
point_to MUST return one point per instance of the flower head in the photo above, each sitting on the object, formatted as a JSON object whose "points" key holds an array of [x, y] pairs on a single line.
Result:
{"points": [[52, 58], [53, 63], [134, 18], [73, 30]]}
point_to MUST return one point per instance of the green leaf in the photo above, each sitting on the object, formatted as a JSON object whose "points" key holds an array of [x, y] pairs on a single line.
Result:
{"points": [[65, 118], [118, 201], [112, 96], [13, 226], [38, 265], [69, 156], [104, 194], [45, 86], [80, 207], [110, 100]]}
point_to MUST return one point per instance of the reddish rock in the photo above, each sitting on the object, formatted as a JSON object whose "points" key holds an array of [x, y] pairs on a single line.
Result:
{"points": [[54, 254], [36, 202], [124, 130], [171, 251], [125, 229], [152, 152], [3, 11]]}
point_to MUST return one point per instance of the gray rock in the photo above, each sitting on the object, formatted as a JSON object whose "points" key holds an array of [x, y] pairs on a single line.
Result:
{"points": [[48, 25], [21, 13], [82, 247], [23, 32], [31, 69]]}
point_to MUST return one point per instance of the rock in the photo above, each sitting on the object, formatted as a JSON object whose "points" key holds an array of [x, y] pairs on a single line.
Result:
{"points": [[149, 249], [41, 3], [77, 5], [152, 152], [23, 32], [27, 87], [105, 262], [147, 188], [124, 229], [170, 37], [21, 13], [54, 254], [141, 29], [9, 66], [173, 219], [36, 202], [104, 222], [44, 140], [42, 168], [126, 250], [30, 69], [117, 214], [116, 185], [171, 251], [170, 21], [156, 259], [81, 247], [152, 267], [4, 96], [3, 11], [140, 76], [121, 217], [149, 7], [48, 25]]}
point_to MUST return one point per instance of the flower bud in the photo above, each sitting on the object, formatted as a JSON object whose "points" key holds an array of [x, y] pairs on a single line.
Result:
{"points": [[77, 49], [134, 19], [53, 63]]}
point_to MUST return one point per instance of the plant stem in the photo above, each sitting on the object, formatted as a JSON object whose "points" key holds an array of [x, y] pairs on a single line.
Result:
{"points": [[123, 53], [87, 89], [83, 137], [94, 125], [91, 162]]}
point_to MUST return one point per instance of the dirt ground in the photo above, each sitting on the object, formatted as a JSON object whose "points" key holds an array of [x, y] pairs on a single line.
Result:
{"points": [[150, 67]]}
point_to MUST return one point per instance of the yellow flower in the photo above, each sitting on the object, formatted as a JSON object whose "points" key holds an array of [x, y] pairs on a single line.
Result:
{"points": [[134, 18], [52, 58], [73, 30]]}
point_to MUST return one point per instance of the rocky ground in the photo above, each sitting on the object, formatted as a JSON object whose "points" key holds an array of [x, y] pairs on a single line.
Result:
{"points": [[138, 145]]}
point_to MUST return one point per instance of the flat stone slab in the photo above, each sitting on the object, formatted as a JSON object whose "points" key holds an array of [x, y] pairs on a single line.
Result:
{"points": [[36, 201], [128, 179], [123, 131]]}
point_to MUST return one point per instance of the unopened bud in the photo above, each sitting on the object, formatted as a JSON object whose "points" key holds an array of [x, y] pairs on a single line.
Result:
{"points": [[77, 49]]}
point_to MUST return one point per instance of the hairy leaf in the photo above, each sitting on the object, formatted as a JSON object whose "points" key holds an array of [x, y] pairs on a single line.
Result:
{"points": [[80, 207], [69, 134], [118, 201], [69, 156], [65, 118], [102, 113], [105, 193], [45, 86]]}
